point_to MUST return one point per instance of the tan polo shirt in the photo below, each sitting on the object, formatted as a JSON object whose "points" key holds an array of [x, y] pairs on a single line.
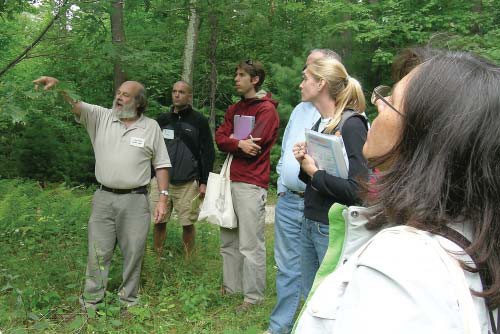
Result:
{"points": [[123, 156]]}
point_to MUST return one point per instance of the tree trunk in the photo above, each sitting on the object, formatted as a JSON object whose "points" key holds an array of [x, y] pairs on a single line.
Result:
{"points": [[213, 70], [477, 8], [118, 38], [191, 43]]}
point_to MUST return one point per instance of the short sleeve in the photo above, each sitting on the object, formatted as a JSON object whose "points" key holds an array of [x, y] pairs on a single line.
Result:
{"points": [[161, 158], [90, 117]]}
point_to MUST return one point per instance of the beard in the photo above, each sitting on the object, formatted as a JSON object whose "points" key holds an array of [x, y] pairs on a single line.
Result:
{"points": [[127, 111]]}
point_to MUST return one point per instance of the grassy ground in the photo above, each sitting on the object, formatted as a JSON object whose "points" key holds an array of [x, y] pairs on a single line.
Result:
{"points": [[43, 240]]}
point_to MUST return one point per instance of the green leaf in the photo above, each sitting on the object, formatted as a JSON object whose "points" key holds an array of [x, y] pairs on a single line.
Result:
{"points": [[114, 310], [41, 326], [16, 113], [91, 312], [116, 323], [77, 323], [72, 285], [6, 287], [33, 316], [33, 94]]}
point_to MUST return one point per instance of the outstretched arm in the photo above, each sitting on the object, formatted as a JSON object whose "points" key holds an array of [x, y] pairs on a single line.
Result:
{"points": [[50, 82]]}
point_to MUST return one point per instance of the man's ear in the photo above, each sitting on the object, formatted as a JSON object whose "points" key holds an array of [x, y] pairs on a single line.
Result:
{"points": [[255, 80]]}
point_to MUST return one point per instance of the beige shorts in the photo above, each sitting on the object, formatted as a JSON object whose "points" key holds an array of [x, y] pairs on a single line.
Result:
{"points": [[182, 198]]}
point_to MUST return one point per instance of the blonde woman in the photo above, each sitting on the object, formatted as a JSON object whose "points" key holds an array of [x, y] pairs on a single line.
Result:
{"points": [[340, 102]]}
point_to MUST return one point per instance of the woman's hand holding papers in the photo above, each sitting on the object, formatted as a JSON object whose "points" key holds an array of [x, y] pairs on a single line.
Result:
{"points": [[306, 162], [308, 165], [299, 150]]}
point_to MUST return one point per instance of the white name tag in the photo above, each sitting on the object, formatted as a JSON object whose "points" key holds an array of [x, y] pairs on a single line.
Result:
{"points": [[168, 133], [138, 142]]}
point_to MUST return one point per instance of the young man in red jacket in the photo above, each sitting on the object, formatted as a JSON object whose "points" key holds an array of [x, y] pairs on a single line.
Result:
{"points": [[243, 249]]}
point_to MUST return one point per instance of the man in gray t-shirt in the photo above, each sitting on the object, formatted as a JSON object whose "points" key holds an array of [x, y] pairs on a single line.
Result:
{"points": [[126, 143]]}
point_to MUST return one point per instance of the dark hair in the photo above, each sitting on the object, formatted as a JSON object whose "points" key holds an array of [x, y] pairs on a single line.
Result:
{"points": [[141, 100], [446, 166], [255, 69], [410, 58]]}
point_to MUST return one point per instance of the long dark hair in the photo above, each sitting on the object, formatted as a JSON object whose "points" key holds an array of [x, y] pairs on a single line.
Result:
{"points": [[446, 166]]}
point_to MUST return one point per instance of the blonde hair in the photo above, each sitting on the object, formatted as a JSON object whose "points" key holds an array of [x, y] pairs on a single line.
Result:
{"points": [[343, 89]]}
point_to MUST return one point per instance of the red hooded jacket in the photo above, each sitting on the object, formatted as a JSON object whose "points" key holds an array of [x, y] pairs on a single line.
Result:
{"points": [[244, 168]]}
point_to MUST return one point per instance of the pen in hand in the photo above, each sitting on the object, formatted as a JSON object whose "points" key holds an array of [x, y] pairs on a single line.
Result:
{"points": [[256, 149]]}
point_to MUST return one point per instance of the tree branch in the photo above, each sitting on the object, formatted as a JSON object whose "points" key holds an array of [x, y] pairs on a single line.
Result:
{"points": [[57, 56], [22, 56]]}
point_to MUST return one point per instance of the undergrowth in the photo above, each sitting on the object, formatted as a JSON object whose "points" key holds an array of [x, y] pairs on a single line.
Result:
{"points": [[43, 244]]}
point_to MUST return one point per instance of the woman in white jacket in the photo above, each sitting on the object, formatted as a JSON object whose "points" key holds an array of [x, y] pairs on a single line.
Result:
{"points": [[436, 142]]}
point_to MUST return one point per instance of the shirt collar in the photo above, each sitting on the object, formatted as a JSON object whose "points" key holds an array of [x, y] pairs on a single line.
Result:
{"points": [[187, 109]]}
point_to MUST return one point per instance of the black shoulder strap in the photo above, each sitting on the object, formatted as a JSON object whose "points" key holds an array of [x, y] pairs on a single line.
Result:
{"points": [[483, 270], [316, 125]]}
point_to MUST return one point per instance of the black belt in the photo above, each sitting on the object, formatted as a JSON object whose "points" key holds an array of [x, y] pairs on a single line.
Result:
{"points": [[138, 190], [298, 193]]}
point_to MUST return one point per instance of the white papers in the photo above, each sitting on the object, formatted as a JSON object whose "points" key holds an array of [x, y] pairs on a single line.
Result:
{"points": [[328, 152]]}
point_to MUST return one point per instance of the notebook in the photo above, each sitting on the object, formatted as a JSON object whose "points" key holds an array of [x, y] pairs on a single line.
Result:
{"points": [[243, 126]]}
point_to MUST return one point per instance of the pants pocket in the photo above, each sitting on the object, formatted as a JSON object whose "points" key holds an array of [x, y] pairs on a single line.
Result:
{"points": [[323, 229]]}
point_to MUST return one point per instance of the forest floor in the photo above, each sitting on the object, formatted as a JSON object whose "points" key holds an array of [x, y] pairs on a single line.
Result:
{"points": [[43, 242]]}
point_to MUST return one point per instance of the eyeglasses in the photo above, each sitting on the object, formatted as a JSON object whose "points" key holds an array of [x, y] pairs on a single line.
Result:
{"points": [[379, 93], [249, 62]]}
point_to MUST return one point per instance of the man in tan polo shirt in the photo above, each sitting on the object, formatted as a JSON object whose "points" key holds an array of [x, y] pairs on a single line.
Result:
{"points": [[125, 144]]}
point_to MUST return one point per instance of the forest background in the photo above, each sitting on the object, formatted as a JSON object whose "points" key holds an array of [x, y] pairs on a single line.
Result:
{"points": [[92, 46], [46, 160]]}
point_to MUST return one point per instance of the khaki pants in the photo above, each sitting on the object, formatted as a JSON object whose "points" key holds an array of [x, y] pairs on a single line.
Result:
{"points": [[116, 218], [183, 198], [243, 249]]}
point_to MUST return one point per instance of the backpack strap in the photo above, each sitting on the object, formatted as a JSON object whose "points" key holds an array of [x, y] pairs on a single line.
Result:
{"points": [[483, 270], [315, 127], [346, 114]]}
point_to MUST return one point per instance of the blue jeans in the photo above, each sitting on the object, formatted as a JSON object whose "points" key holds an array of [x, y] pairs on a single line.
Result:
{"points": [[289, 214], [315, 236]]}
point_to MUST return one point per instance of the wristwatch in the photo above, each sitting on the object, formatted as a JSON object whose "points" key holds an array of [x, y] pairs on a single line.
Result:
{"points": [[164, 192]]}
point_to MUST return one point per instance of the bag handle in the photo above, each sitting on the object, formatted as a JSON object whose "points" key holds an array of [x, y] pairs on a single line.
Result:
{"points": [[484, 271], [226, 167]]}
